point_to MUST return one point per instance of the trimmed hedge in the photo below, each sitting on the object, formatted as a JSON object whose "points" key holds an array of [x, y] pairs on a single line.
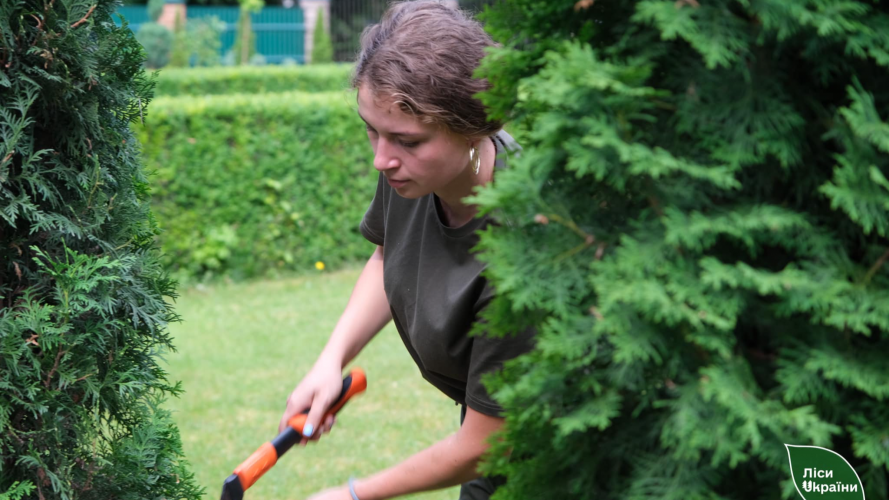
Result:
{"points": [[249, 185], [252, 79]]}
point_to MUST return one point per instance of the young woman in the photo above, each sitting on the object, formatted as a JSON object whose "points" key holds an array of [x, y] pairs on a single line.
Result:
{"points": [[432, 145]]}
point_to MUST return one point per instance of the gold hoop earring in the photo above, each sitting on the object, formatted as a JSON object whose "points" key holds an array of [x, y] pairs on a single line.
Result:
{"points": [[475, 157]]}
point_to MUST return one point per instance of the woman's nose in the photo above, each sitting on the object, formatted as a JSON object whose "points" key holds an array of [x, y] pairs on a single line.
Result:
{"points": [[384, 157]]}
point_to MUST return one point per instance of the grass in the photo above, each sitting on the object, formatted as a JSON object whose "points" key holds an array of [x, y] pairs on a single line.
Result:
{"points": [[242, 348]]}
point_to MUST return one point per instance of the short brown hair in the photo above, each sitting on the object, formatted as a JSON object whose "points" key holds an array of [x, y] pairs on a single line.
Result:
{"points": [[422, 55]]}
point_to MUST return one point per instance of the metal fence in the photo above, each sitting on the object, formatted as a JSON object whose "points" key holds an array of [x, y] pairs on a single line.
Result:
{"points": [[280, 32], [348, 18]]}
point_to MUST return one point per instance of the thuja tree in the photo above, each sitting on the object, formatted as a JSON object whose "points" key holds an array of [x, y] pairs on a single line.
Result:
{"points": [[82, 310], [698, 228]]}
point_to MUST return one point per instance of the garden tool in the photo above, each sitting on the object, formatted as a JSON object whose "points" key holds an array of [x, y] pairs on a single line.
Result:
{"points": [[267, 455]]}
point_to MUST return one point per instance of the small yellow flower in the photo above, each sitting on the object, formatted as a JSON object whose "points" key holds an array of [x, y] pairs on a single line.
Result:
{"points": [[319, 265]]}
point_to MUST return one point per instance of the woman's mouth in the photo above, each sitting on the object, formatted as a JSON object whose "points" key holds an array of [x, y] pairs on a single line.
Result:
{"points": [[396, 184]]}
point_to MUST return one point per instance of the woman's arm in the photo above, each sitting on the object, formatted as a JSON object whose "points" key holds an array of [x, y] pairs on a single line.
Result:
{"points": [[449, 462], [366, 313]]}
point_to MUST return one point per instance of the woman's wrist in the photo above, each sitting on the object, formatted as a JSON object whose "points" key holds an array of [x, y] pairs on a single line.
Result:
{"points": [[352, 489], [359, 491]]}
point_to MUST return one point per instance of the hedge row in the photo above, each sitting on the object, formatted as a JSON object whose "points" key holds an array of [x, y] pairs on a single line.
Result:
{"points": [[252, 79], [245, 186]]}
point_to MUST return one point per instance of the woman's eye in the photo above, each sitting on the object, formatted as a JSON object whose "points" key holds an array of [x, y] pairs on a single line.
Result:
{"points": [[409, 144]]}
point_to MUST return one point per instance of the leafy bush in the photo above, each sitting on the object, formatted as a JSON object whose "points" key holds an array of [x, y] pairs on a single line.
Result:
{"points": [[196, 43], [322, 47], [698, 229], [82, 311], [204, 40], [251, 185], [155, 9], [253, 80], [244, 33], [157, 41], [180, 51]]}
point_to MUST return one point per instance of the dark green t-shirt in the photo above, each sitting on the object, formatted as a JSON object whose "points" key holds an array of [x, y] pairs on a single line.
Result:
{"points": [[436, 290]]}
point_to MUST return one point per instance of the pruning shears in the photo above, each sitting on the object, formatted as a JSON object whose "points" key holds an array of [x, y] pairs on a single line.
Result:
{"points": [[267, 455]]}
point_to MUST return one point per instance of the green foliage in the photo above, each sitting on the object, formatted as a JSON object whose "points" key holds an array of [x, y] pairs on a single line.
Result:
{"points": [[697, 227], [322, 46], [157, 41], [82, 311], [248, 185], [196, 43], [17, 491], [245, 39], [253, 80], [155, 9], [179, 53], [204, 40]]}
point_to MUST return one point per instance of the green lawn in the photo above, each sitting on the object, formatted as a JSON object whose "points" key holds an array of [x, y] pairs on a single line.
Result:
{"points": [[242, 348]]}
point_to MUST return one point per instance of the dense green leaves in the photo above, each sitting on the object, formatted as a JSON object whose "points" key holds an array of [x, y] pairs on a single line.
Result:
{"points": [[83, 313], [697, 229], [252, 79], [247, 186]]}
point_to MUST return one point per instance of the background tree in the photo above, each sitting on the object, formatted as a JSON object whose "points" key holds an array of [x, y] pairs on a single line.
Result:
{"points": [[698, 229], [181, 50], [155, 38], [245, 39], [82, 310], [322, 47], [155, 9], [157, 41]]}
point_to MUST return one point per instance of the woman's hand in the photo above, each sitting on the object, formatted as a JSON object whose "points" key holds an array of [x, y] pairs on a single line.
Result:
{"points": [[317, 391], [339, 493]]}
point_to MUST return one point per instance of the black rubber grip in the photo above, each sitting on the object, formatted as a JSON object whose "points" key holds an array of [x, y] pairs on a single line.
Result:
{"points": [[289, 437]]}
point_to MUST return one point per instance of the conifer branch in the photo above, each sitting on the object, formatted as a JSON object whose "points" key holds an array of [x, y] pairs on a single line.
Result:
{"points": [[682, 3], [876, 267], [84, 18], [542, 219], [125, 244], [55, 367], [39, 28]]}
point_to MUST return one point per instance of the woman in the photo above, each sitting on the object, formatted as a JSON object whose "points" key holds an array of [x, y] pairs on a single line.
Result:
{"points": [[432, 145]]}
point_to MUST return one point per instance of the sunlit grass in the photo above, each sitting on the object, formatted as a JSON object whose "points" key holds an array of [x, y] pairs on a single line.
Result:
{"points": [[242, 348]]}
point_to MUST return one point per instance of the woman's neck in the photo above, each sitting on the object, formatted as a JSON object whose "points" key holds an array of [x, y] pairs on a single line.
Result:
{"points": [[457, 213]]}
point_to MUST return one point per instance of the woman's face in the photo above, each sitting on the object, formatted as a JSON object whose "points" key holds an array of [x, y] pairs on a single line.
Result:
{"points": [[416, 158]]}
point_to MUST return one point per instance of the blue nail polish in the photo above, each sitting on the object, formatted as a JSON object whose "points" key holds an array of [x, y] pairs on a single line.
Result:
{"points": [[308, 430]]}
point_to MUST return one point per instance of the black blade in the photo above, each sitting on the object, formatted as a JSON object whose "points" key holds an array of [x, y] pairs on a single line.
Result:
{"points": [[231, 489]]}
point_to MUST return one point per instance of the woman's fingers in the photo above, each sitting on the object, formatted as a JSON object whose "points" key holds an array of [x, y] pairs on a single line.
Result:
{"points": [[297, 402], [326, 426], [328, 423]]}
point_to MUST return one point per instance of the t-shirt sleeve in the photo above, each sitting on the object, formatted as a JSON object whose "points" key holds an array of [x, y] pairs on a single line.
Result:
{"points": [[373, 225], [489, 354]]}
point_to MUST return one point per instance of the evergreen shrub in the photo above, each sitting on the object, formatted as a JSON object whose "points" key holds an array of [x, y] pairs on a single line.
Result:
{"points": [[244, 33], [698, 228], [157, 41], [155, 9], [253, 80], [83, 315], [322, 46], [252, 185], [180, 51], [205, 41]]}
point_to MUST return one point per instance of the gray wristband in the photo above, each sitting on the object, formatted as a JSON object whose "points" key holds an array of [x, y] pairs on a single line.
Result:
{"points": [[352, 488]]}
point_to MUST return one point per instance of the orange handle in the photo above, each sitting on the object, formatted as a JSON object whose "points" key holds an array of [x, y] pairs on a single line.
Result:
{"points": [[267, 455], [256, 465], [358, 385]]}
